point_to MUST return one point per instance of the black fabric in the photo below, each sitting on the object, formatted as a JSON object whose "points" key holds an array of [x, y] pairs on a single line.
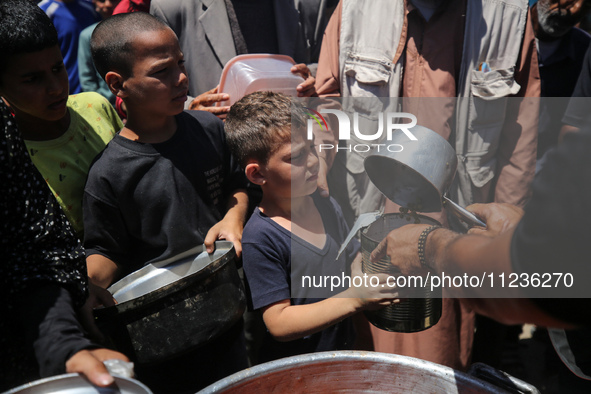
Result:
{"points": [[273, 258], [554, 236], [314, 16], [577, 113], [239, 43], [200, 367], [42, 335], [149, 202], [39, 255], [257, 25], [579, 342], [51, 325], [558, 77]]}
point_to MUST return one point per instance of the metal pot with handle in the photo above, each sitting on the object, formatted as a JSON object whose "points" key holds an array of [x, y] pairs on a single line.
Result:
{"points": [[418, 176], [170, 307]]}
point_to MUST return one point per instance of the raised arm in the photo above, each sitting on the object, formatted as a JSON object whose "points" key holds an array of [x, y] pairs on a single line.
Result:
{"points": [[287, 322], [472, 255], [231, 226]]}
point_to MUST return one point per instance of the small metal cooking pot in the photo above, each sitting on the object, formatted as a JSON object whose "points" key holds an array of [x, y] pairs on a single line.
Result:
{"points": [[168, 308], [419, 175], [420, 307]]}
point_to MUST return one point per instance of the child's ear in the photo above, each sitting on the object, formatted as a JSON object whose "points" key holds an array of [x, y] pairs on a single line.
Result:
{"points": [[254, 173], [114, 81]]}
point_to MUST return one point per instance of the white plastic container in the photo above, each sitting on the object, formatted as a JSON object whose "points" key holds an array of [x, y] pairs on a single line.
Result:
{"points": [[245, 74]]}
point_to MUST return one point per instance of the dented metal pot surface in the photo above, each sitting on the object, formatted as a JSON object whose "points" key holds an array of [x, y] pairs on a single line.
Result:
{"points": [[168, 308]]}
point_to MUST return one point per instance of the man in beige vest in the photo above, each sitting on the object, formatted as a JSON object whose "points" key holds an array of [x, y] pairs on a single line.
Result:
{"points": [[437, 48]]}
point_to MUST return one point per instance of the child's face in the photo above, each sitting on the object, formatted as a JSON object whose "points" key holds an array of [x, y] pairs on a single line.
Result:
{"points": [[158, 84], [36, 85], [292, 171]]}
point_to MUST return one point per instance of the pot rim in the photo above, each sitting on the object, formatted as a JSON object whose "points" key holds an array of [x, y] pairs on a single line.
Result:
{"points": [[76, 383], [179, 285], [236, 380]]}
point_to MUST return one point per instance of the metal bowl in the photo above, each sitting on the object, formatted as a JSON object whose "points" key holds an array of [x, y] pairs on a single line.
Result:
{"points": [[74, 383], [168, 308]]}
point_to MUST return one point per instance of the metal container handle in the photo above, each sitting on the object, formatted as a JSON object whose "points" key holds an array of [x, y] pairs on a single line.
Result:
{"points": [[501, 379], [462, 213]]}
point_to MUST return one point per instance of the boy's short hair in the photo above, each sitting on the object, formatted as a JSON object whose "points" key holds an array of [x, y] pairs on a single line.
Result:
{"points": [[24, 28], [259, 123], [111, 43]]}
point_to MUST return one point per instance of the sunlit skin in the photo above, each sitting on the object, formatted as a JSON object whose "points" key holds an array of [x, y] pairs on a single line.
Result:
{"points": [[157, 88], [35, 86], [293, 169], [292, 174]]}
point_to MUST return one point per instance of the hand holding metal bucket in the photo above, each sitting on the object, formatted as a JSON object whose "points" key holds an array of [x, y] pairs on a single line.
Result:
{"points": [[418, 176]]}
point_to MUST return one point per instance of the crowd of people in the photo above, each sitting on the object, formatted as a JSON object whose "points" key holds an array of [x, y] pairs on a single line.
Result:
{"points": [[115, 153]]}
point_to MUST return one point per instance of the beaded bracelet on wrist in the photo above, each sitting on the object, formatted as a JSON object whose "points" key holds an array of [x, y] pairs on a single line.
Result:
{"points": [[423, 241]]}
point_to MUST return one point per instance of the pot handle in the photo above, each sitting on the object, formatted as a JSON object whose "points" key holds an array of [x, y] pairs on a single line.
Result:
{"points": [[462, 213], [501, 379]]}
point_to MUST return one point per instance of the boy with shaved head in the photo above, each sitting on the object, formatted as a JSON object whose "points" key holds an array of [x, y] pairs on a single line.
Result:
{"points": [[165, 184]]}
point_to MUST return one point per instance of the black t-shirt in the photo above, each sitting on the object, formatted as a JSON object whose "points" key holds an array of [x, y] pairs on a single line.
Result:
{"points": [[554, 235], [148, 202], [274, 259]]}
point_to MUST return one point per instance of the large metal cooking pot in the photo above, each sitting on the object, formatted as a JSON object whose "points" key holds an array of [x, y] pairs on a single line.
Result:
{"points": [[361, 372], [168, 308], [418, 176], [420, 307]]}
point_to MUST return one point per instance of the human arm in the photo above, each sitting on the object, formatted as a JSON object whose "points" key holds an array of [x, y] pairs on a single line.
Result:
{"points": [[103, 238], [47, 314], [327, 76], [487, 251], [328, 85], [516, 155], [287, 322], [102, 271], [231, 226], [474, 254]]}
